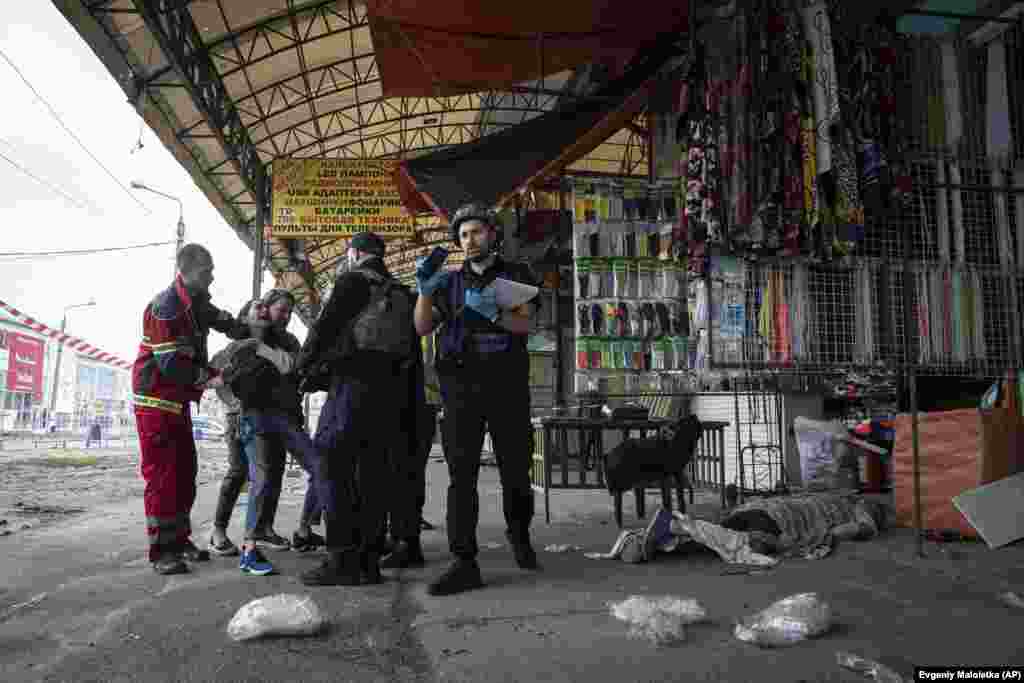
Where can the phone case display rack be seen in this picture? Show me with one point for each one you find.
(631, 310)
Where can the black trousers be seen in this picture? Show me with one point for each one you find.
(359, 425)
(234, 478)
(409, 473)
(494, 395)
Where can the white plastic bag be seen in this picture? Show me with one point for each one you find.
(277, 615)
(661, 620)
(787, 622)
(869, 668)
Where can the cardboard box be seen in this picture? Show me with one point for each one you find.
(950, 450)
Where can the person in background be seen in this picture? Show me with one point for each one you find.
(170, 372)
(483, 367)
(95, 434)
(238, 465)
(365, 343)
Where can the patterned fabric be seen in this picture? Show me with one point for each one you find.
(807, 522)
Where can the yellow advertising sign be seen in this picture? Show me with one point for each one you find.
(337, 198)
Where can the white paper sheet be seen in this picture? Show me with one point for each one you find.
(513, 294)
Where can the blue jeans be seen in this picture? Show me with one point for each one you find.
(265, 437)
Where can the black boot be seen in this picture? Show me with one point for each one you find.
(369, 565)
(339, 569)
(526, 558)
(463, 575)
(407, 554)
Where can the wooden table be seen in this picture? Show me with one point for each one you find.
(552, 464)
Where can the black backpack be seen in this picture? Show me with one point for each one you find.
(386, 324)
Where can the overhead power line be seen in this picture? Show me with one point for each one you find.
(70, 132)
(81, 252)
(39, 180)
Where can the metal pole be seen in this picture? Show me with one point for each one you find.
(260, 221)
(557, 317)
(915, 437)
(56, 368)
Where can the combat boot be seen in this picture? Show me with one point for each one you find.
(525, 556)
(407, 554)
(463, 575)
(369, 566)
(339, 569)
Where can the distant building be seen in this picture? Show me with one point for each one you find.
(92, 384)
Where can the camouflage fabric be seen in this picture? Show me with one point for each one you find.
(808, 522)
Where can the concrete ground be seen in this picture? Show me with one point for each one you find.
(79, 602)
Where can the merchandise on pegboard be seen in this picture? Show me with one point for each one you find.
(633, 321)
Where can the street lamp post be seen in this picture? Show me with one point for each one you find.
(180, 242)
(60, 349)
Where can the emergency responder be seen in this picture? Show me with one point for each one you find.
(171, 371)
(483, 368)
(369, 314)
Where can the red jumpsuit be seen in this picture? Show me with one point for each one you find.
(168, 373)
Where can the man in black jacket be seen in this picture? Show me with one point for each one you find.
(362, 417)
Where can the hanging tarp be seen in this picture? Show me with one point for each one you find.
(446, 47)
(491, 169)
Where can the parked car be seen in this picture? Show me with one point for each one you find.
(204, 428)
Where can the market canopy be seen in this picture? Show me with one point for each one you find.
(449, 47)
(492, 168)
(230, 85)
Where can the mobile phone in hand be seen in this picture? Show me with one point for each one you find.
(436, 259)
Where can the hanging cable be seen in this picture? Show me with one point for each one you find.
(56, 116)
(80, 252)
(44, 183)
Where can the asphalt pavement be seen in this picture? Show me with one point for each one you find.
(79, 602)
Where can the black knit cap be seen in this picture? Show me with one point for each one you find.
(369, 242)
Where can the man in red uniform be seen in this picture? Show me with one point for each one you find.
(171, 371)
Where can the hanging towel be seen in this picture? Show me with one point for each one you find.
(936, 106)
(783, 347)
(1018, 184)
(979, 318)
(798, 307)
(969, 316)
(818, 29)
(954, 133)
(923, 316)
(958, 317)
(999, 143)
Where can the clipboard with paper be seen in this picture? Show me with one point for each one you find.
(512, 294)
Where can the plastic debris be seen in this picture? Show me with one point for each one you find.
(787, 622)
(731, 546)
(493, 546)
(1012, 599)
(869, 668)
(561, 548)
(661, 620)
(277, 615)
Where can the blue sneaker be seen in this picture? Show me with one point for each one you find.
(255, 564)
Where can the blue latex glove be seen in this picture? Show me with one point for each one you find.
(483, 301)
(428, 283)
